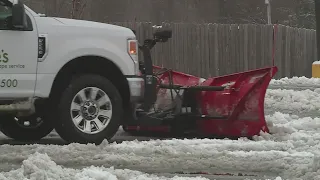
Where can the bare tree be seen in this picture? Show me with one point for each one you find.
(78, 7)
(296, 13)
(306, 14)
(301, 14)
(55, 7)
(248, 12)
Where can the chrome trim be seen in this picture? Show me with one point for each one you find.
(136, 86)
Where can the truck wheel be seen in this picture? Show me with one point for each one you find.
(89, 111)
(30, 128)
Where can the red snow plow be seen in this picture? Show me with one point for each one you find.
(176, 103)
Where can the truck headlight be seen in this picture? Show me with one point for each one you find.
(133, 52)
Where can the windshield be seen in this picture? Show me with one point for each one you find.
(5, 10)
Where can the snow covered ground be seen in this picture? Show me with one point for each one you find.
(302, 103)
(291, 151)
(295, 83)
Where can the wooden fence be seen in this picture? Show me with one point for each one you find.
(217, 49)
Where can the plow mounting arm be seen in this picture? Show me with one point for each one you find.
(150, 84)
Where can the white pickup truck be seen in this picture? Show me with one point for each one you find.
(77, 77)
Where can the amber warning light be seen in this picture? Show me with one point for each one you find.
(133, 44)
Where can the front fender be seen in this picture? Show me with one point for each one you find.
(70, 50)
(60, 54)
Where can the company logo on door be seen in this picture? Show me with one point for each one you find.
(4, 60)
(4, 57)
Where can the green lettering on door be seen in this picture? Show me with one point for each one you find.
(4, 57)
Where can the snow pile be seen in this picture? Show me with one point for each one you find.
(40, 166)
(290, 101)
(316, 63)
(303, 135)
(296, 81)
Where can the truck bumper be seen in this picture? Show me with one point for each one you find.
(136, 86)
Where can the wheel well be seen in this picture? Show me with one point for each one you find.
(91, 64)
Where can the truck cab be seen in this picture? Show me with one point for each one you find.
(78, 77)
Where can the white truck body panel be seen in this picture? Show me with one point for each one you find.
(67, 39)
(18, 69)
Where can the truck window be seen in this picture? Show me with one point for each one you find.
(5, 16)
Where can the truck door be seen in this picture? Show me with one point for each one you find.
(18, 55)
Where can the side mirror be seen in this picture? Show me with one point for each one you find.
(19, 17)
(162, 35)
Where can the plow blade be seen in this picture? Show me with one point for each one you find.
(227, 106)
(242, 102)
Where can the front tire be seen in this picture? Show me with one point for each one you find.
(89, 111)
(30, 128)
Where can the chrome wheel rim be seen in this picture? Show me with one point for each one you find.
(91, 110)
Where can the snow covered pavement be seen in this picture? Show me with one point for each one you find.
(291, 151)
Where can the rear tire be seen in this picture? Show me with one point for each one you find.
(16, 129)
(87, 100)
